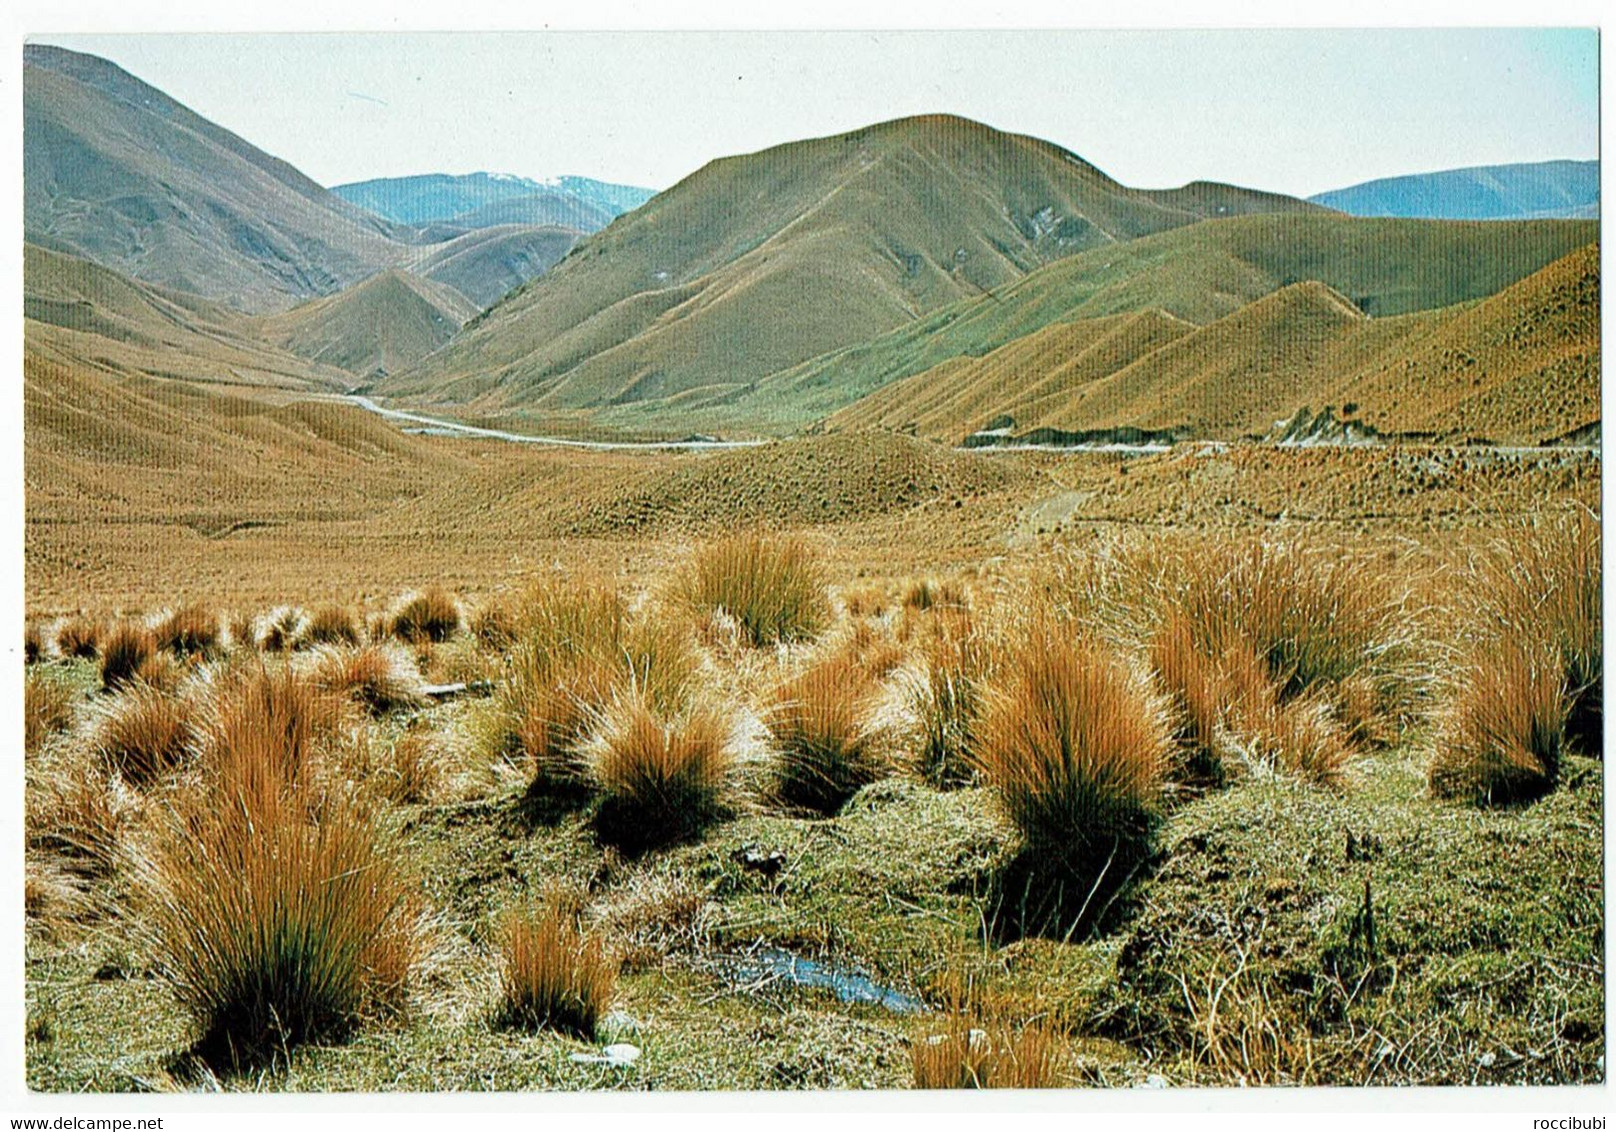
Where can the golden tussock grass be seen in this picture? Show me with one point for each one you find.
(552, 975)
(494, 626)
(661, 781)
(429, 615)
(191, 630)
(928, 593)
(144, 733)
(332, 625)
(282, 629)
(79, 637)
(822, 724)
(124, 651)
(965, 1055)
(1502, 732)
(1075, 749)
(866, 601)
(774, 588)
(273, 927)
(261, 728)
(33, 643)
(381, 677)
(47, 709)
(79, 816)
(944, 695)
(243, 628)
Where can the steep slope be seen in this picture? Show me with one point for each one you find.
(373, 328)
(80, 314)
(1519, 367)
(487, 264)
(1484, 192)
(471, 200)
(1198, 274)
(757, 263)
(118, 172)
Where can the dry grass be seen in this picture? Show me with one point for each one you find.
(945, 699)
(866, 601)
(144, 733)
(966, 1056)
(191, 630)
(653, 916)
(332, 625)
(262, 728)
(660, 781)
(124, 651)
(79, 638)
(79, 816)
(430, 615)
(494, 626)
(243, 630)
(1503, 730)
(924, 594)
(553, 976)
(381, 677)
(283, 629)
(412, 771)
(272, 927)
(1074, 748)
(33, 643)
(823, 728)
(774, 589)
(47, 709)
(1544, 587)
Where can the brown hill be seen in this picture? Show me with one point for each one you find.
(375, 327)
(487, 264)
(754, 264)
(118, 172)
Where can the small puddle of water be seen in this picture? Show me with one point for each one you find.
(848, 986)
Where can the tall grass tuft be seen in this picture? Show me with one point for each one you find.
(774, 588)
(261, 728)
(272, 927)
(79, 638)
(283, 629)
(553, 976)
(1503, 731)
(965, 1056)
(381, 677)
(660, 781)
(47, 709)
(430, 615)
(332, 625)
(123, 653)
(144, 733)
(33, 643)
(1074, 749)
(191, 630)
(945, 700)
(1545, 588)
(822, 726)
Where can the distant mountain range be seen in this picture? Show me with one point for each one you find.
(1546, 189)
(482, 200)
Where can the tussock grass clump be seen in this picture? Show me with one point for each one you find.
(945, 699)
(243, 628)
(1501, 736)
(924, 594)
(80, 817)
(191, 630)
(382, 677)
(773, 588)
(124, 651)
(144, 733)
(79, 638)
(553, 976)
(866, 601)
(430, 615)
(1544, 588)
(494, 626)
(33, 643)
(272, 927)
(332, 625)
(660, 782)
(283, 629)
(262, 727)
(965, 1056)
(823, 728)
(47, 708)
(1074, 748)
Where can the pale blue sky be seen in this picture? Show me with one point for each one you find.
(1291, 111)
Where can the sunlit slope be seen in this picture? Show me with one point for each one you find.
(77, 312)
(1520, 367)
(1198, 274)
(755, 264)
(487, 264)
(375, 327)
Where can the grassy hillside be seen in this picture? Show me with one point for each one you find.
(79, 314)
(1198, 274)
(755, 264)
(1521, 367)
(120, 173)
(486, 264)
(376, 327)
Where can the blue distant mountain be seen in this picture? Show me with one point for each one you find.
(1545, 189)
(481, 200)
